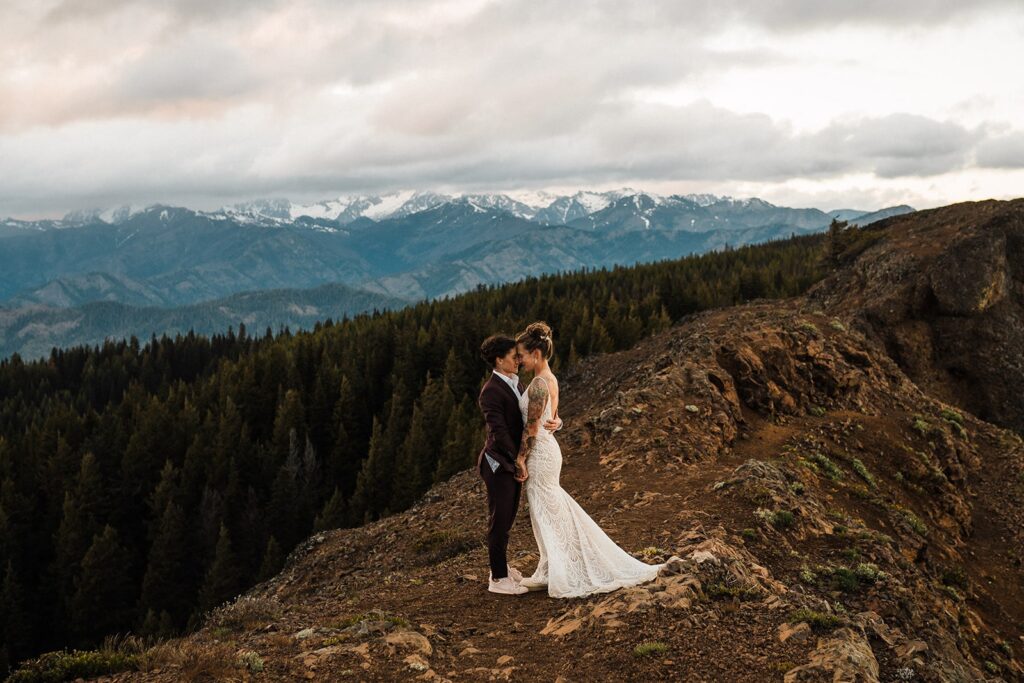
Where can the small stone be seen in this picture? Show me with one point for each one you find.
(798, 632)
(410, 639)
(469, 651)
(702, 556)
(416, 662)
(504, 659)
(305, 633)
(692, 408)
(617, 429)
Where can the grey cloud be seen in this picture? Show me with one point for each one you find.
(225, 99)
(197, 67)
(615, 142)
(798, 15)
(1005, 151)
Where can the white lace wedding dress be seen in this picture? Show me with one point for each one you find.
(576, 557)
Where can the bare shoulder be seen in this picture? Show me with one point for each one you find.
(539, 386)
(553, 386)
(550, 385)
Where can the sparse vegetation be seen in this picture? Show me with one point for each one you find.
(842, 578)
(954, 419)
(243, 613)
(952, 592)
(912, 519)
(808, 327)
(826, 465)
(780, 519)
(921, 426)
(954, 576)
(193, 660)
(783, 519)
(820, 622)
(651, 552)
(372, 616)
(861, 469)
(757, 494)
(952, 416)
(868, 572)
(441, 545)
(817, 411)
(837, 325)
(251, 660)
(718, 590)
(653, 647)
(67, 665)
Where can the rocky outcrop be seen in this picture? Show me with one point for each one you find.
(943, 292)
(827, 507)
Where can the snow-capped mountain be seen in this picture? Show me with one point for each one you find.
(542, 207)
(341, 209)
(702, 211)
(409, 245)
(581, 209)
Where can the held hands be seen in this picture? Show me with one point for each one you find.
(521, 472)
(553, 425)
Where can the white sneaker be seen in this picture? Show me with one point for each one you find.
(506, 586)
(533, 584)
(516, 575)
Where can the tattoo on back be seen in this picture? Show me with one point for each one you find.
(538, 395)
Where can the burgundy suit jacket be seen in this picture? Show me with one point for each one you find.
(504, 419)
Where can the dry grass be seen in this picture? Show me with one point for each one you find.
(244, 613)
(193, 661)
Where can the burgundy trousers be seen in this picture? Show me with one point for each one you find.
(502, 502)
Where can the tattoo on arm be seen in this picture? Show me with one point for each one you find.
(538, 393)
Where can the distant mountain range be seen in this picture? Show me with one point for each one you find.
(32, 330)
(386, 250)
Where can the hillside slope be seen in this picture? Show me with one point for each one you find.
(836, 520)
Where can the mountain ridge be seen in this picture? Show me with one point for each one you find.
(834, 521)
(33, 330)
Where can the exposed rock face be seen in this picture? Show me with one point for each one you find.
(824, 511)
(943, 291)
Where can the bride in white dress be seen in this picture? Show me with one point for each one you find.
(576, 556)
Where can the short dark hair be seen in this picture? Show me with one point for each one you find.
(496, 346)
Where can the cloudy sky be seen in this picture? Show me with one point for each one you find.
(856, 104)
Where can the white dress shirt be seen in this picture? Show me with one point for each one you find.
(514, 383)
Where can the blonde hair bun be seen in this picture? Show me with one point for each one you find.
(537, 336)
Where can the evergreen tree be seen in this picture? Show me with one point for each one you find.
(14, 635)
(273, 560)
(309, 484)
(289, 424)
(411, 462)
(222, 578)
(282, 511)
(167, 585)
(463, 436)
(332, 516)
(104, 594)
(345, 455)
(373, 485)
